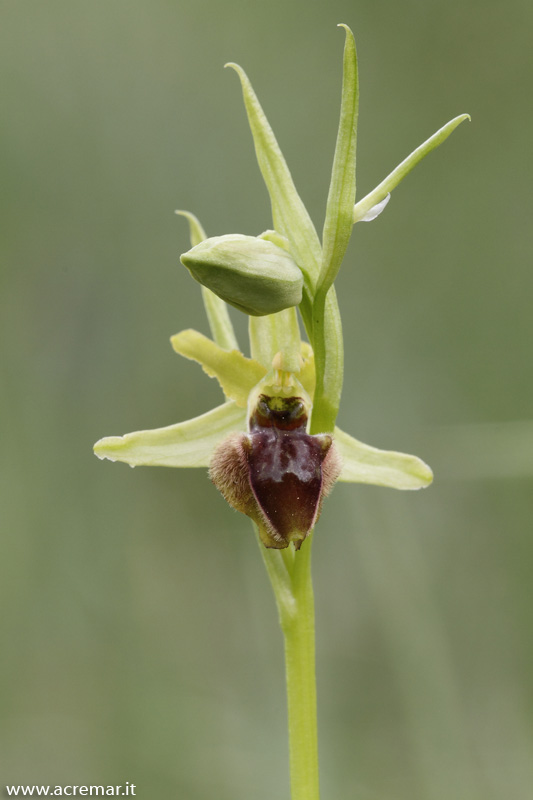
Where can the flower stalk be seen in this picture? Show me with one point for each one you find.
(290, 576)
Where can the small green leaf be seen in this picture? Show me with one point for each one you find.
(372, 199)
(365, 464)
(187, 444)
(341, 198)
(215, 308)
(236, 374)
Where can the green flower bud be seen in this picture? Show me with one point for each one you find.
(251, 274)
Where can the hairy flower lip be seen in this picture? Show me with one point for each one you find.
(277, 473)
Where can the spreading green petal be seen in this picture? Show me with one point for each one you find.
(187, 444)
(236, 374)
(381, 191)
(365, 464)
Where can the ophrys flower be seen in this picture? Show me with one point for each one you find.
(298, 268)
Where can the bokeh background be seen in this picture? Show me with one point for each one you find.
(139, 637)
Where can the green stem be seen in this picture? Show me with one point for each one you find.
(290, 576)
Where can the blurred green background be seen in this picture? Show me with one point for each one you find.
(139, 637)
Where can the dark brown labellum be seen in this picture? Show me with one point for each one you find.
(278, 474)
(285, 470)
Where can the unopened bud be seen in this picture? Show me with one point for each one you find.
(251, 274)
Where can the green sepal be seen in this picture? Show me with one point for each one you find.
(365, 464)
(236, 374)
(186, 444)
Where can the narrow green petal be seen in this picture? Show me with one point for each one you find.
(338, 224)
(236, 374)
(289, 214)
(187, 444)
(365, 464)
(215, 308)
(403, 169)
